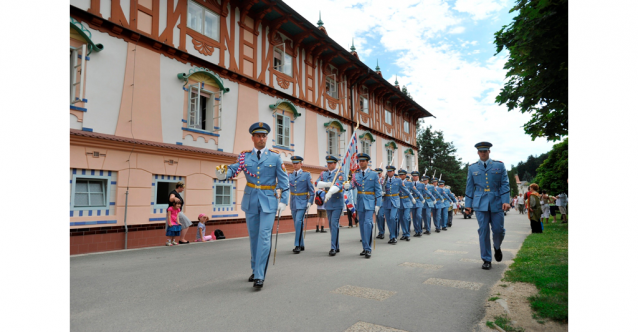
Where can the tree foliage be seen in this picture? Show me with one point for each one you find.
(537, 66)
(513, 185)
(437, 154)
(552, 173)
(527, 170)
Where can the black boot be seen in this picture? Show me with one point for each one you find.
(322, 231)
(317, 229)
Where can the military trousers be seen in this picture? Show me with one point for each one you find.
(259, 226)
(365, 227)
(497, 222)
(443, 217)
(381, 221)
(391, 219)
(436, 214)
(333, 221)
(404, 218)
(449, 218)
(298, 218)
(427, 217)
(416, 219)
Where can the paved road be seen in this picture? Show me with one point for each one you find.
(204, 286)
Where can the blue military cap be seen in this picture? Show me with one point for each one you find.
(379, 170)
(441, 182)
(331, 159)
(415, 173)
(259, 128)
(390, 168)
(434, 180)
(296, 159)
(425, 177)
(363, 156)
(403, 172)
(483, 146)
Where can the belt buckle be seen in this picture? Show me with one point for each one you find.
(257, 186)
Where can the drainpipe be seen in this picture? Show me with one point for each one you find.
(125, 227)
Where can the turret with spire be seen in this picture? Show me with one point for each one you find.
(353, 50)
(378, 69)
(396, 83)
(320, 24)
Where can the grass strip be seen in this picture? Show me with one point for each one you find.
(543, 261)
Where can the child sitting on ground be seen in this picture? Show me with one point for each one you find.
(173, 227)
(201, 229)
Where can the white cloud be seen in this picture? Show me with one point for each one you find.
(457, 30)
(480, 9)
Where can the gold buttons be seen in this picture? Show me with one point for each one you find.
(257, 181)
(258, 173)
(258, 168)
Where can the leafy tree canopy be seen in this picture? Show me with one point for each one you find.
(552, 173)
(537, 66)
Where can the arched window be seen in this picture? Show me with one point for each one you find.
(205, 92)
(390, 149)
(284, 115)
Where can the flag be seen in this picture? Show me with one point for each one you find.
(350, 206)
(350, 163)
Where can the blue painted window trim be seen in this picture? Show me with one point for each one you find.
(99, 222)
(200, 131)
(282, 148)
(156, 219)
(224, 216)
(227, 183)
(162, 178)
(184, 121)
(107, 184)
(87, 58)
(75, 108)
(87, 129)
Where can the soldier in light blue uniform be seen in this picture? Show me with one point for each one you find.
(366, 182)
(265, 172)
(453, 202)
(445, 203)
(302, 194)
(407, 203)
(334, 200)
(416, 187)
(391, 202)
(429, 204)
(489, 199)
(381, 215)
(438, 205)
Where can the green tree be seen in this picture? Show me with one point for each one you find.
(552, 174)
(537, 66)
(513, 186)
(437, 154)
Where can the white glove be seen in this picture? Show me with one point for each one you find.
(423, 202)
(281, 207)
(382, 193)
(322, 184)
(332, 190)
(413, 201)
(346, 186)
(308, 205)
(221, 174)
(376, 209)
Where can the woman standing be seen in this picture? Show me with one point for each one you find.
(534, 209)
(175, 196)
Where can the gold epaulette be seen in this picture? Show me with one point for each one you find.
(274, 151)
(247, 151)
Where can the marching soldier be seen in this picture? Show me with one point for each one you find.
(407, 203)
(445, 205)
(420, 202)
(265, 172)
(391, 202)
(453, 201)
(366, 181)
(429, 204)
(333, 201)
(438, 206)
(302, 194)
(381, 215)
(489, 200)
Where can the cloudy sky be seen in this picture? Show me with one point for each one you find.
(443, 52)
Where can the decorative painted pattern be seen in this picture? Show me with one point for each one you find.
(161, 209)
(111, 181)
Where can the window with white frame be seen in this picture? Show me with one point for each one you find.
(331, 85)
(78, 65)
(363, 104)
(89, 193)
(203, 20)
(282, 61)
(408, 162)
(203, 108)
(406, 127)
(388, 117)
(390, 154)
(223, 196)
(283, 130)
(365, 146)
(333, 143)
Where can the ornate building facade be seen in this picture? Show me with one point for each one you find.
(163, 91)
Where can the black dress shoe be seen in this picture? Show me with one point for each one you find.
(486, 265)
(438, 231)
(303, 248)
(360, 240)
(498, 254)
(417, 234)
(252, 278)
(323, 231)
(332, 252)
(259, 283)
(445, 228)
(392, 241)
(338, 250)
(379, 236)
(362, 253)
(382, 237)
(402, 237)
(407, 239)
(427, 233)
(296, 250)
(368, 254)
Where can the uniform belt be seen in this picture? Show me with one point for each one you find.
(402, 197)
(256, 186)
(326, 190)
(438, 199)
(366, 192)
(391, 195)
(299, 194)
(486, 190)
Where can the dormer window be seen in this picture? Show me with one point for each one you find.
(331, 84)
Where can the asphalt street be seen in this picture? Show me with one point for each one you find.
(432, 283)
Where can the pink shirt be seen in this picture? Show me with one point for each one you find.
(173, 211)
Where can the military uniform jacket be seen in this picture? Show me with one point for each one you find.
(405, 195)
(391, 199)
(336, 201)
(415, 193)
(263, 176)
(420, 186)
(438, 200)
(302, 190)
(487, 186)
(440, 203)
(368, 189)
(447, 198)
